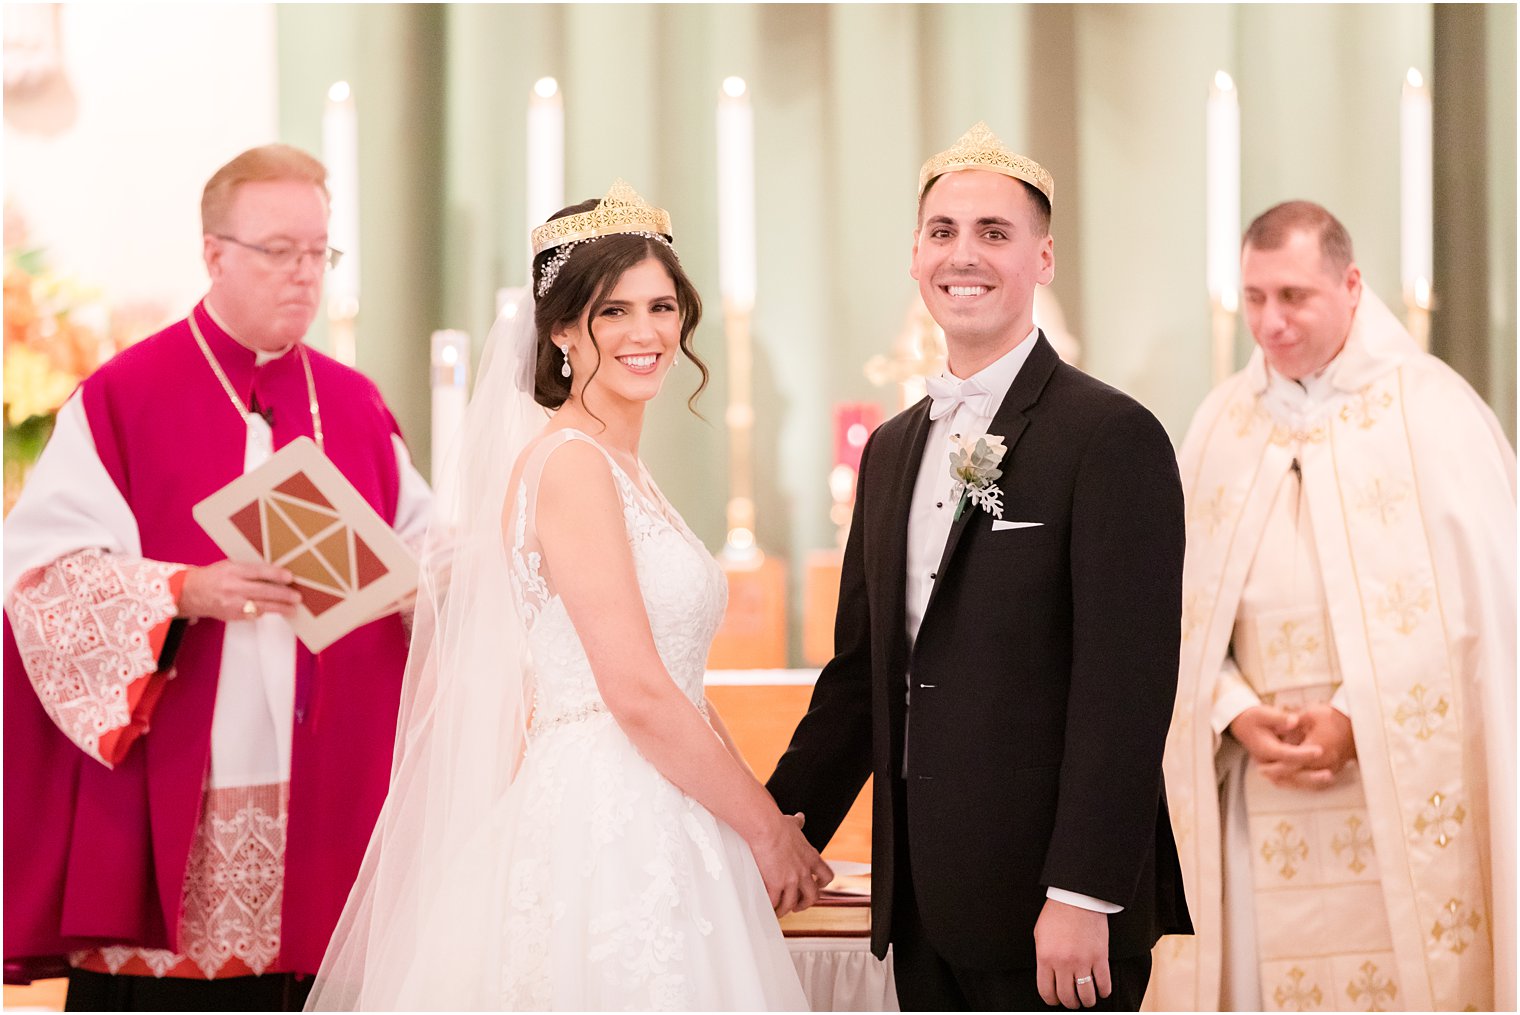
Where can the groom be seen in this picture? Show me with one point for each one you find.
(1006, 646)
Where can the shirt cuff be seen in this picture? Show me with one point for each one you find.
(1082, 901)
(1232, 696)
(1339, 703)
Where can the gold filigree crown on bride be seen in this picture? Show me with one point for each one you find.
(621, 211)
(979, 148)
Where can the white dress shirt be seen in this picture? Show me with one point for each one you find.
(933, 509)
(932, 513)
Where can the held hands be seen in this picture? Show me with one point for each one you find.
(793, 871)
(1305, 749)
(222, 591)
(1071, 945)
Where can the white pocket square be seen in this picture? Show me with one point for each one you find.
(998, 525)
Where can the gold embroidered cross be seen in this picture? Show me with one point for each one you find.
(1418, 716)
(1292, 995)
(1377, 989)
(1456, 927)
(1364, 407)
(1442, 815)
(1382, 500)
(1286, 847)
(1292, 646)
(1402, 603)
(1357, 841)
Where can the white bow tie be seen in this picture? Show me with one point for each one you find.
(948, 391)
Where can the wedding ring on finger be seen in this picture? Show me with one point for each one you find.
(1083, 979)
(250, 608)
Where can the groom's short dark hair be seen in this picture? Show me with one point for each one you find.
(1039, 216)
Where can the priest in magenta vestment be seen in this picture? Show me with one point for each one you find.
(188, 790)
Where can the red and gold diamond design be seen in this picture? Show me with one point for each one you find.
(298, 528)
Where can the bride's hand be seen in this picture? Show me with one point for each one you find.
(793, 871)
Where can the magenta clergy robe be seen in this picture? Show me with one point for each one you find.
(96, 855)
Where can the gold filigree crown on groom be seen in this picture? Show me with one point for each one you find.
(621, 211)
(979, 148)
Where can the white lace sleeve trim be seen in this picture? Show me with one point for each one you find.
(84, 625)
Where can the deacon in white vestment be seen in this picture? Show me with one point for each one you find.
(1341, 760)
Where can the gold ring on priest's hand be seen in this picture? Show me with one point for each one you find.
(250, 608)
(1083, 979)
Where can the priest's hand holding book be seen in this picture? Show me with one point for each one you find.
(234, 590)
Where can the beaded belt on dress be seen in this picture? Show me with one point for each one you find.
(580, 714)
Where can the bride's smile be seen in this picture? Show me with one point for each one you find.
(627, 348)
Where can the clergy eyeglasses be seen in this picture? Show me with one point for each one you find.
(288, 255)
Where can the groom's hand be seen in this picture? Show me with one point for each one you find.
(1071, 943)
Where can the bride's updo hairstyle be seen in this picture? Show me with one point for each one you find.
(587, 279)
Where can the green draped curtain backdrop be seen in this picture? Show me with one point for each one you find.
(849, 100)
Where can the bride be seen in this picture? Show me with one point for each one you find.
(569, 825)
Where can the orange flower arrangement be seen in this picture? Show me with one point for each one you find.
(57, 333)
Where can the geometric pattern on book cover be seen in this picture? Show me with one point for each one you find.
(298, 511)
(299, 529)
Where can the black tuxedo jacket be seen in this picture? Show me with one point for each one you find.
(1043, 677)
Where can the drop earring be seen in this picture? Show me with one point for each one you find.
(564, 371)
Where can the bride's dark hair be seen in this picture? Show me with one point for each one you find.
(587, 279)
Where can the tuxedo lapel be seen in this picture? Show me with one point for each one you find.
(1010, 422)
(904, 475)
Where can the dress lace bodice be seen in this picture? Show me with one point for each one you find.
(592, 882)
(684, 594)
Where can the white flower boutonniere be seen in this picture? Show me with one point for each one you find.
(974, 465)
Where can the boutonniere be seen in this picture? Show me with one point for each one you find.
(974, 465)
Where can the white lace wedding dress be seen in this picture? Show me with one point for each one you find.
(609, 887)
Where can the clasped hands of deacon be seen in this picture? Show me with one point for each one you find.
(1303, 748)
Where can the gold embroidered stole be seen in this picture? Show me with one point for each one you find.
(1311, 901)
(1390, 634)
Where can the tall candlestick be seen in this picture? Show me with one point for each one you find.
(451, 378)
(1416, 219)
(1223, 191)
(736, 282)
(546, 151)
(736, 195)
(340, 153)
(1222, 228)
